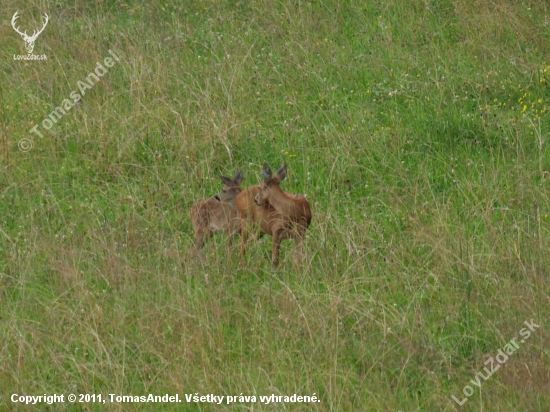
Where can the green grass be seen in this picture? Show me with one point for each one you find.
(418, 131)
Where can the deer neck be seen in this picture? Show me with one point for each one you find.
(282, 202)
(233, 201)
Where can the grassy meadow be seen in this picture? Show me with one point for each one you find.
(419, 131)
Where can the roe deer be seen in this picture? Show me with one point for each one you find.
(294, 212)
(254, 217)
(287, 218)
(217, 213)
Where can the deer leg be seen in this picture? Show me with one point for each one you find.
(299, 249)
(233, 229)
(229, 239)
(242, 246)
(300, 236)
(199, 238)
(200, 226)
(277, 237)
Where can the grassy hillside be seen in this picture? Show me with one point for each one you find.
(419, 132)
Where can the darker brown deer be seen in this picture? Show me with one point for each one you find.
(279, 214)
(218, 213)
(254, 219)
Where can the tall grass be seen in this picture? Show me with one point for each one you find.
(418, 131)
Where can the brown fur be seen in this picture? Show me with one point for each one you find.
(217, 214)
(287, 218)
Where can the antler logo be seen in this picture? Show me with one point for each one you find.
(29, 40)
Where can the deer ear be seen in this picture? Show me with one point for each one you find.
(266, 172)
(227, 181)
(238, 178)
(281, 172)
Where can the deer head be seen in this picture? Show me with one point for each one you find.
(29, 40)
(264, 192)
(231, 189)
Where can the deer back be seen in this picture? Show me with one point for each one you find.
(214, 214)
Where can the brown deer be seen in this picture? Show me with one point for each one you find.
(277, 213)
(253, 217)
(218, 213)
